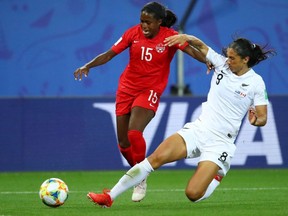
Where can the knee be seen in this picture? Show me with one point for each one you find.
(193, 194)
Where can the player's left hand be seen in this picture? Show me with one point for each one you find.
(252, 116)
(210, 67)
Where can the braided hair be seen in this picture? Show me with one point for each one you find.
(160, 12)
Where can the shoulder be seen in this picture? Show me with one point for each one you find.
(255, 76)
(132, 33)
(255, 81)
(167, 31)
(133, 29)
(212, 53)
(215, 58)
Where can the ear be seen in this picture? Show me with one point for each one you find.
(246, 59)
(159, 22)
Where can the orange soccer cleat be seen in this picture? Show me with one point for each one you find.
(104, 200)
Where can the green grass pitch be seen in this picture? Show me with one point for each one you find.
(243, 192)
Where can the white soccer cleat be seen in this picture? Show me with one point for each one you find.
(139, 191)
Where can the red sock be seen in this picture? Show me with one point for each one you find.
(138, 144)
(218, 178)
(127, 154)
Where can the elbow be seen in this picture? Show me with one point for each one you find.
(261, 123)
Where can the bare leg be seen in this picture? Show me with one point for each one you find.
(170, 150)
(123, 141)
(140, 118)
(122, 130)
(202, 178)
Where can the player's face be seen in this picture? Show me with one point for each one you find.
(150, 25)
(236, 63)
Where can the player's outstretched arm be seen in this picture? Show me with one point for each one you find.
(196, 54)
(98, 60)
(192, 40)
(197, 49)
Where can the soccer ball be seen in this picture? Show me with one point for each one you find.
(53, 192)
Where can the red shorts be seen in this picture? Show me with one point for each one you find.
(148, 99)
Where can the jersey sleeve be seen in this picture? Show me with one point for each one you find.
(122, 43)
(215, 58)
(260, 96)
(177, 46)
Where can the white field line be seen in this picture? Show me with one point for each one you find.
(162, 190)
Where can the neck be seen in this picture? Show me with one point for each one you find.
(240, 73)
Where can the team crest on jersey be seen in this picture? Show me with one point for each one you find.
(160, 48)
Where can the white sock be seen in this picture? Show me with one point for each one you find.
(133, 177)
(212, 186)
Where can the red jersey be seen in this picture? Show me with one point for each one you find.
(149, 63)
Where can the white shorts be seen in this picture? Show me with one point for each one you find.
(200, 142)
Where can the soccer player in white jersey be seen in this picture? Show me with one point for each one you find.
(235, 90)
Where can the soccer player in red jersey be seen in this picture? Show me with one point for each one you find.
(143, 80)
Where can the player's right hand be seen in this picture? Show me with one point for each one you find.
(81, 71)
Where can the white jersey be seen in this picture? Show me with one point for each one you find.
(230, 97)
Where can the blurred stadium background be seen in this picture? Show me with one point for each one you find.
(45, 115)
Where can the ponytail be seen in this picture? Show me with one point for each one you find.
(170, 19)
(255, 52)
